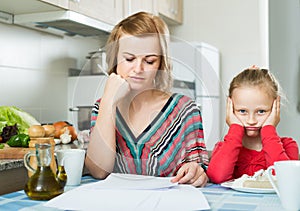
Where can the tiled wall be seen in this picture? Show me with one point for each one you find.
(34, 69)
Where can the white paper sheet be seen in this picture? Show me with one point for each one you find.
(134, 182)
(135, 193)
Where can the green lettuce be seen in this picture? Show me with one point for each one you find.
(10, 115)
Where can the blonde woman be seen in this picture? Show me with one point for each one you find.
(138, 125)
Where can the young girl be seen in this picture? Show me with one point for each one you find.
(252, 143)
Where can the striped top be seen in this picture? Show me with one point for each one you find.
(174, 137)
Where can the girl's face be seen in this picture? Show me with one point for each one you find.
(138, 60)
(252, 106)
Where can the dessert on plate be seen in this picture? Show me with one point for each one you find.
(258, 180)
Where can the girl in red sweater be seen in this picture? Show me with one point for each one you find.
(252, 114)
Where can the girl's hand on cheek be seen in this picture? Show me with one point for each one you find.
(230, 116)
(116, 87)
(274, 117)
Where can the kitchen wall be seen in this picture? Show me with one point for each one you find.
(284, 60)
(242, 33)
(34, 69)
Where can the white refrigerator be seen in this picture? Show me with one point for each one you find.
(198, 63)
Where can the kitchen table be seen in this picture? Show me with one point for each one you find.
(218, 197)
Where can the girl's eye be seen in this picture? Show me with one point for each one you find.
(261, 111)
(242, 111)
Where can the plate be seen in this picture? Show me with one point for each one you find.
(229, 184)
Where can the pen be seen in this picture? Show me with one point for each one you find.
(104, 72)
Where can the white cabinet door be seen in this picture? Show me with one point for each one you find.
(104, 10)
(171, 10)
(133, 6)
(60, 3)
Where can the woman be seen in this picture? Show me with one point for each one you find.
(139, 126)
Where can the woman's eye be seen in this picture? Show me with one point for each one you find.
(129, 59)
(150, 62)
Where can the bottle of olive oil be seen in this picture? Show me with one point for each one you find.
(43, 184)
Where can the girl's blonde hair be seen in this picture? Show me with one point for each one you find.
(256, 77)
(142, 24)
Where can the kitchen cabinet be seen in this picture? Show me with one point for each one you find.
(60, 3)
(104, 10)
(171, 11)
(32, 6)
(133, 6)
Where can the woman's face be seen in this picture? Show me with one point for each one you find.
(252, 106)
(138, 60)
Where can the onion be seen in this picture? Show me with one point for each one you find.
(58, 126)
(71, 130)
(36, 131)
(49, 130)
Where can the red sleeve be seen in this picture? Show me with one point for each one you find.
(225, 155)
(276, 148)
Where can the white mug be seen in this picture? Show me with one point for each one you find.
(73, 162)
(287, 186)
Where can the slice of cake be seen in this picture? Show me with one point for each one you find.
(258, 180)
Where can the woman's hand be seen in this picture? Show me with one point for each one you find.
(274, 117)
(116, 88)
(191, 173)
(230, 116)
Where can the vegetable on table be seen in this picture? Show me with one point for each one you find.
(9, 131)
(19, 140)
(11, 115)
(64, 127)
(36, 131)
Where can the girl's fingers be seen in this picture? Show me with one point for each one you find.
(228, 111)
(278, 106)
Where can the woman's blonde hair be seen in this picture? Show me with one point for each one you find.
(256, 77)
(142, 24)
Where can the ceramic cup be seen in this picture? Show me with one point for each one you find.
(73, 162)
(287, 186)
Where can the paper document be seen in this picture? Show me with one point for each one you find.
(131, 192)
(134, 182)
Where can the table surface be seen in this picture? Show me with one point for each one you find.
(218, 197)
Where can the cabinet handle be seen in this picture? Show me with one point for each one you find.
(76, 1)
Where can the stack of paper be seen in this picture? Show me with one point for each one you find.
(131, 192)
